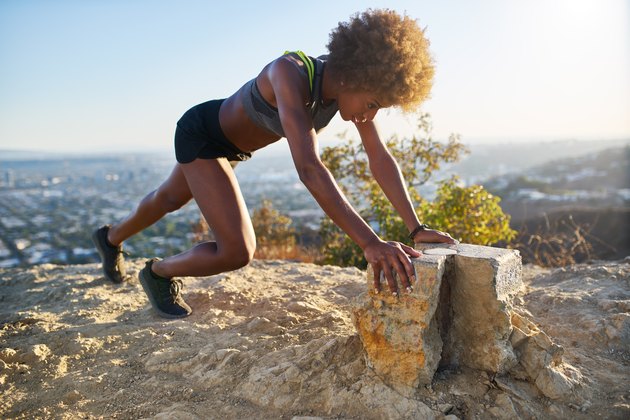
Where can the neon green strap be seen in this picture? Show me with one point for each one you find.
(310, 68)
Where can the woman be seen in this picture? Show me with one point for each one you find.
(376, 60)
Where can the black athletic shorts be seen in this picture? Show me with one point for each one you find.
(199, 135)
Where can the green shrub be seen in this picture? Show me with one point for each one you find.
(470, 214)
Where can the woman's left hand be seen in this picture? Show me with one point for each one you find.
(434, 236)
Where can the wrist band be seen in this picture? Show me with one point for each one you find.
(422, 226)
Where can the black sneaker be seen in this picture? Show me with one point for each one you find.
(163, 293)
(112, 256)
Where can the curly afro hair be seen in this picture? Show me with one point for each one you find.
(385, 53)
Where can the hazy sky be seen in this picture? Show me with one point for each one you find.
(117, 74)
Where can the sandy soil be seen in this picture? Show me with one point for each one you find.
(275, 340)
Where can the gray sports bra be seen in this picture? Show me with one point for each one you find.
(266, 116)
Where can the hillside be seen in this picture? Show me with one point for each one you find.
(575, 208)
(486, 161)
(46, 200)
(275, 340)
(597, 180)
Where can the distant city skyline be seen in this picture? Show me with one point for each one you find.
(117, 75)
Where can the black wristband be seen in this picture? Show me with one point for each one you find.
(421, 227)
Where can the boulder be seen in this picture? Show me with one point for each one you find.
(482, 283)
(457, 314)
(540, 360)
(400, 333)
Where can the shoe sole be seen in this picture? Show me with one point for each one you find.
(145, 287)
(101, 253)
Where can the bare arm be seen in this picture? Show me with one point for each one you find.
(388, 176)
(302, 139)
(387, 173)
(298, 128)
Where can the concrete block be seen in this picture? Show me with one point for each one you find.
(476, 304)
(400, 334)
(458, 314)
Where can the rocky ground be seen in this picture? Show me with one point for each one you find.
(275, 340)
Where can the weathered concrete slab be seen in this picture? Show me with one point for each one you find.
(400, 334)
(458, 314)
(482, 281)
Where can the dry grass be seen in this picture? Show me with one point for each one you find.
(278, 247)
(559, 243)
(292, 253)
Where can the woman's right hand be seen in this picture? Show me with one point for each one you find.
(387, 257)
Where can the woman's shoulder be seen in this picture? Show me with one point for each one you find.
(288, 67)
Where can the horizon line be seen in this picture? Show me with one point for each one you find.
(485, 141)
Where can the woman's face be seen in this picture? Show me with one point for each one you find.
(357, 106)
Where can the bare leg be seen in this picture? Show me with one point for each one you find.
(214, 186)
(170, 196)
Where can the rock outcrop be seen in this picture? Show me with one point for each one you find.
(540, 360)
(459, 314)
(275, 339)
(400, 334)
(480, 284)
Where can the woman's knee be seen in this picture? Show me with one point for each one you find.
(236, 257)
(168, 201)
